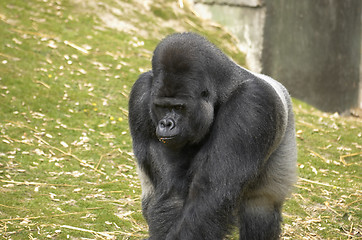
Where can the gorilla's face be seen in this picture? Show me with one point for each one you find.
(181, 110)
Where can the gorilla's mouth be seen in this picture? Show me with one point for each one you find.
(166, 139)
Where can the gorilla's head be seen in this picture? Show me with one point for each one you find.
(183, 97)
(181, 119)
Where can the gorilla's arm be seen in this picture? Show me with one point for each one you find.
(141, 127)
(140, 122)
(241, 140)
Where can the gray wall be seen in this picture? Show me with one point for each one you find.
(312, 46)
(245, 19)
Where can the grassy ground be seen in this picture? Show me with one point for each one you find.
(66, 163)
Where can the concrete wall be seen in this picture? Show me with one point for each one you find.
(245, 20)
(312, 47)
(360, 76)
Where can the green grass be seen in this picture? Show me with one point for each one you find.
(66, 162)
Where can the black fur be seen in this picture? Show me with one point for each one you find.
(215, 144)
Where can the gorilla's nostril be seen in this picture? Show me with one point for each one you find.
(170, 124)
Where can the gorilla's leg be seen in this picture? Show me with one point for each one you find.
(260, 219)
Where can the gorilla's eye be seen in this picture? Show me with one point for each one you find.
(179, 107)
(205, 94)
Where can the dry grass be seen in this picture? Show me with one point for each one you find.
(66, 163)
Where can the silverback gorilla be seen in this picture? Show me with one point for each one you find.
(215, 144)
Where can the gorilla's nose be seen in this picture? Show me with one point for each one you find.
(166, 124)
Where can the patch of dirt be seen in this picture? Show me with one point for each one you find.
(122, 16)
